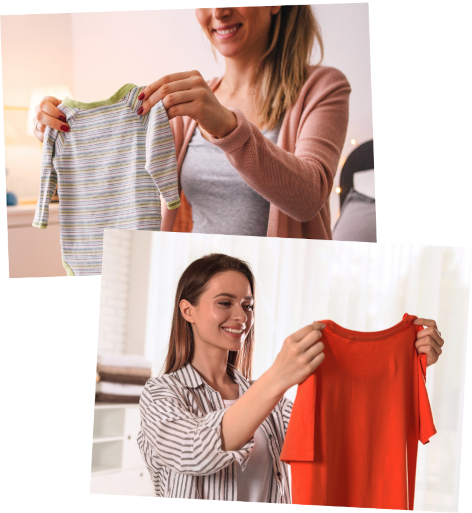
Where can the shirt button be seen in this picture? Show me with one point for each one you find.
(270, 437)
(278, 474)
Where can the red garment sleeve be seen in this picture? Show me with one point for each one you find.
(427, 427)
(299, 444)
(425, 416)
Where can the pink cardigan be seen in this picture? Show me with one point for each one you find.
(296, 174)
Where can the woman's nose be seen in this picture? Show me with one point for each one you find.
(221, 12)
(240, 314)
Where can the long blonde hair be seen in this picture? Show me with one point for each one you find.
(191, 286)
(284, 66)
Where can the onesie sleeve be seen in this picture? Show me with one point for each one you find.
(48, 182)
(161, 163)
(185, 442)
(299, 444)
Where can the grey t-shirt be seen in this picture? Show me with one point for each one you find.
(222, 202)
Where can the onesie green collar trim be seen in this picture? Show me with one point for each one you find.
(121, 93)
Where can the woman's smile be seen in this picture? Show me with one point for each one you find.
(234, 331)
(227, 31)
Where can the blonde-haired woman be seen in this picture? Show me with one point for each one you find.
(258, 148)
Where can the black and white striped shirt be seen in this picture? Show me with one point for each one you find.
(180, 439)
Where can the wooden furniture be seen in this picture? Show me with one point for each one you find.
(117, 465)
(33, 252)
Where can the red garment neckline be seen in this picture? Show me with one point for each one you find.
(367, 336)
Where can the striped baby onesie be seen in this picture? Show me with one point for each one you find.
(109, 170)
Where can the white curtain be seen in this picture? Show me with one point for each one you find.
(364, 287)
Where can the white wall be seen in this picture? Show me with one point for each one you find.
(36, 52)
(155, 43)
(114, 292)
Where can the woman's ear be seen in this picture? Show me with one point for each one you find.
(186, 309)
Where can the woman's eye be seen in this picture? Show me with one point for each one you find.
(250, 307)
(225, 303)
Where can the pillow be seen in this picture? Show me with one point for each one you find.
(364, 182)
(357, 219)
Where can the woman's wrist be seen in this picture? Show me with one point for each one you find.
(229, 126)
(272, 384)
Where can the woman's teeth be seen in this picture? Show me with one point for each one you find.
(226, 31)
(230, 330)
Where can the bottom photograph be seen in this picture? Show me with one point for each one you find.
(280, 370)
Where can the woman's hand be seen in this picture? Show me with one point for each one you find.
(300, 356)
(47, 114)
(429, 341)
(187, 94)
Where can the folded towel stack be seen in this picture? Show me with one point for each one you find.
(121, 378)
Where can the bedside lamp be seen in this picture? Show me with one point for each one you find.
(37, 94)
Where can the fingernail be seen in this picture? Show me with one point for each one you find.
(64, 128)
(141, 96)
(63, 118)
(140, 111)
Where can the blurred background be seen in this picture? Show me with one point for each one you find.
(89, 56)
(364, 287)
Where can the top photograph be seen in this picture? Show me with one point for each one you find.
(238, 121)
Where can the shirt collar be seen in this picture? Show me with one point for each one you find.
(190, 378)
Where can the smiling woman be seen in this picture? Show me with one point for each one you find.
(203, 418)
(257, 149)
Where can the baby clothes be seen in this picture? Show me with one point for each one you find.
(109, 170)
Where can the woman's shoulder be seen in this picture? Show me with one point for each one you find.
(326, 76)
(162, 387)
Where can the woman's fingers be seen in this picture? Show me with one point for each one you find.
(47, 114)
(49, 106)
(432, 333)
(170, 94)
(42, 120)
(154, 92)
(430, 323)
(428, 341)
(303, 332)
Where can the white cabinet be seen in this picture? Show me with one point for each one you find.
(117, 465)
(33, 252)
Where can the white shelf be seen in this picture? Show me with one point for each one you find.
(112, 406)
(117, 465)
(99, 440)
(98, 470)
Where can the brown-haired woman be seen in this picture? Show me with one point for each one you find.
(203, 418)
(258, 148)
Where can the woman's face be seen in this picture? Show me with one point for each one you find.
(236, 30)
(224, 314)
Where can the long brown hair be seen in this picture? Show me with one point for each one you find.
(284, 67)
(191, 286)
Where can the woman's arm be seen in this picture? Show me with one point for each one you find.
(244, 417)
(299, 183)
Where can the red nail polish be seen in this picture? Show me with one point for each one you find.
(65, 128)
(141, 96)
(63, 118)
(140, 111)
